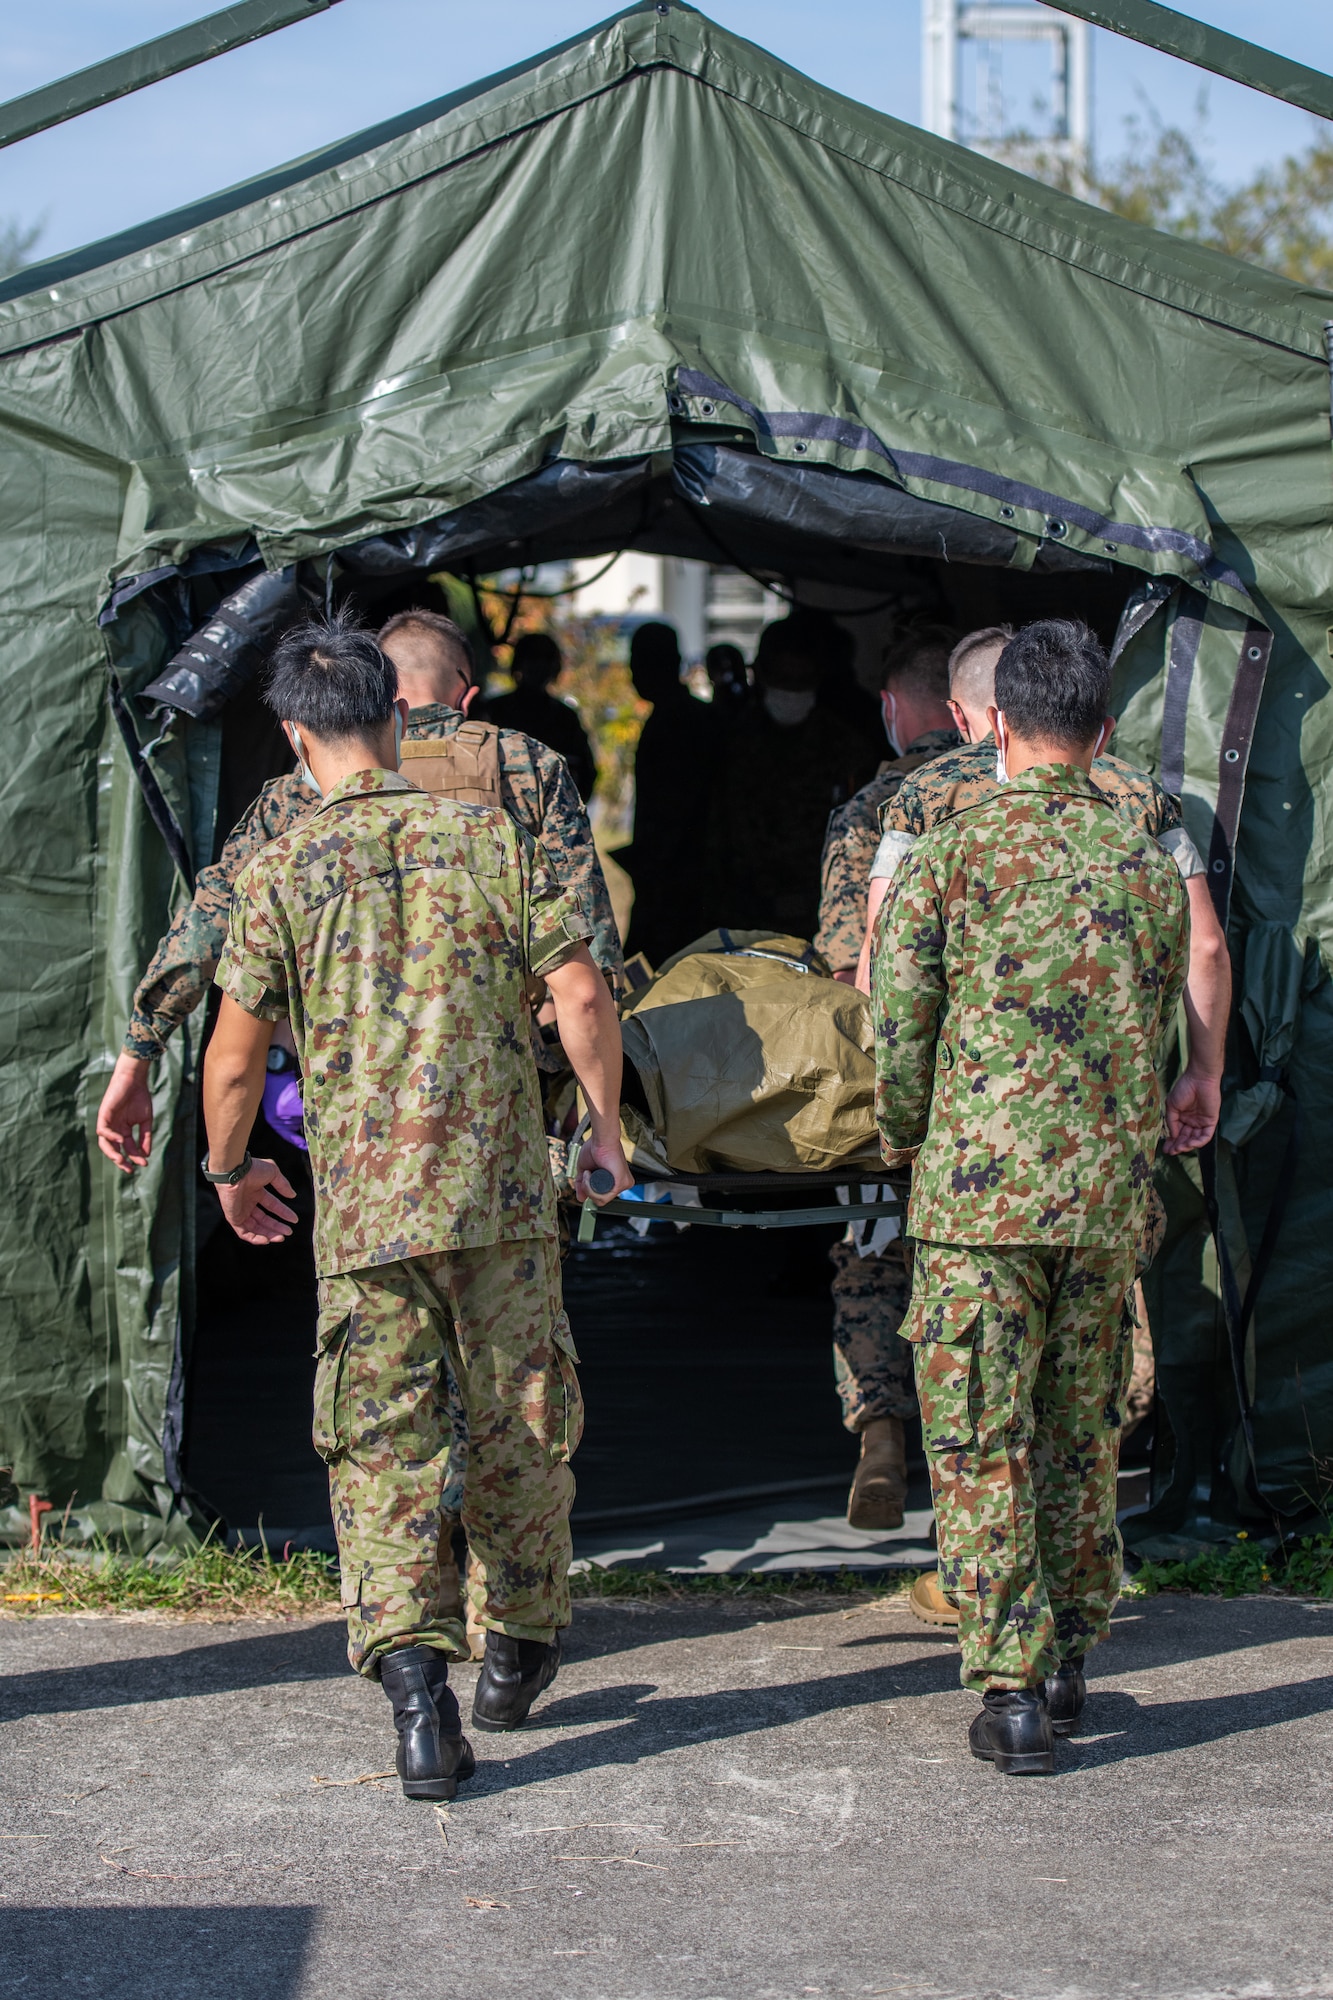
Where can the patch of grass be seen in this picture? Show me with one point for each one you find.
(211, 1582)
(1245, 1568)
(609, 1584)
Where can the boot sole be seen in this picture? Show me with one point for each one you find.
(441, 1790)
(1022, 1764)
(948, 1618)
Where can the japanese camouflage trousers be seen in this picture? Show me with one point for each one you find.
(872, 1363)
(389, 1338)
(1022, 1363)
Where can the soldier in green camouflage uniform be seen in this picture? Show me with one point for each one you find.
(536, 791)
(395, 931)
(872, 1367)
(1028, 958)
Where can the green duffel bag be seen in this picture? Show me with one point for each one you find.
(749, 1058)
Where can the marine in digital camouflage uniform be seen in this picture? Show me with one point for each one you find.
(536, 790)
(872, 1367)
(395, 931)
(1029, 954)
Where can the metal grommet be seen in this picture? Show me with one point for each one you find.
(1056, 528)
(708, 409)
(1006, 513)
(801, 446)
(1219, 868)
(1232, 756)
(1254, 653)
(676, 405)
(1112, 548)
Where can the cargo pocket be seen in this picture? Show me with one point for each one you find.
(566, 1395)
(1122, 1370)
(332, 1398)
(946, 1333)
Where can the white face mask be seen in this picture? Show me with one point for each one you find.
(1001, 768)
(788, 706)
(397, 737)
(306, 771)
(889, 710)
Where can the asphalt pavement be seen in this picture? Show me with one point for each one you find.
(717, 1800)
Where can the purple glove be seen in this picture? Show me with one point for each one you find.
(283, 1107)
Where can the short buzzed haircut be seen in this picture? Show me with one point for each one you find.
(1053, 683)
(918, 663)
(451, 638)
(329, 676)
(971, 673)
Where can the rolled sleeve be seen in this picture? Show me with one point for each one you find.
(253, 968)
(893, 850)
(556, 922)
(1177, 843)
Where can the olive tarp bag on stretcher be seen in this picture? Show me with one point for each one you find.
(749, 1058)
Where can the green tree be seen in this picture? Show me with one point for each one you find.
(1281, 218)
(16, 241)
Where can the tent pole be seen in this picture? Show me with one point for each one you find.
(103, 82)
(1159, 27)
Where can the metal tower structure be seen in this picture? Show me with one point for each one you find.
(965, 100)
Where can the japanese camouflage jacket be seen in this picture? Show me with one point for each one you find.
(849, 848)
(536, 791)
(395, 930)
(1029, 955)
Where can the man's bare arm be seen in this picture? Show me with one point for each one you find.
(1195, 1101)
(590, 1036)
(234, 1070)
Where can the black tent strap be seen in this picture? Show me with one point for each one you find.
(1238, 1312)
(163, 818)
(1233, 760)
(1059, 514)
(1192, 41)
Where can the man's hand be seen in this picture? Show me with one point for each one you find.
(125, 1117)
(254, 1210)
(1192, 1111)
(602, 1152)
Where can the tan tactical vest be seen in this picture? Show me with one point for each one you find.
(464, 766)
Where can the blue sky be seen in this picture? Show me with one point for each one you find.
(366, 59)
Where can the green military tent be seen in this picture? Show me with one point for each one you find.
(649, 290)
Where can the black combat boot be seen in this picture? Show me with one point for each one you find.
(434, 1757)
(1066, 1692)
(512, 1675)
(1013, 1731)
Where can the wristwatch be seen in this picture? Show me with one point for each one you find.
(234, 1175)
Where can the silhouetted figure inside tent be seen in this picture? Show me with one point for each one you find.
(537, 712)
(730, 681)
(788, 762)
(673, 786)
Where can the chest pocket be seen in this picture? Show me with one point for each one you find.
(338, 861)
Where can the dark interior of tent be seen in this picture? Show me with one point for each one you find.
(706, 1352)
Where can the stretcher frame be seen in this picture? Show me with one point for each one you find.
(721, 1217)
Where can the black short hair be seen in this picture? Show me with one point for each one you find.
(330, 677)
(1053, 683)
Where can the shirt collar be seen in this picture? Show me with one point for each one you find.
(365, 784)
(1053, 778)
(432, 719)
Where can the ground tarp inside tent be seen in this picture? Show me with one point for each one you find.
(652, 290)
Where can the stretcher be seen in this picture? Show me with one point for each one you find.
(752, 1201)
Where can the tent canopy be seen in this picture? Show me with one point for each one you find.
(649, 290)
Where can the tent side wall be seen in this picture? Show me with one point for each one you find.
(402, 332)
